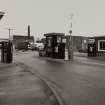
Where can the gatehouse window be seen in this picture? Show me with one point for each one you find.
(101, 45)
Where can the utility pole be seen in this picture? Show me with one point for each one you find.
(10, 29)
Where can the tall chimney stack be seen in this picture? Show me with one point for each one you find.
(28, 30)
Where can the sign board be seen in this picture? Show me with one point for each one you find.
(64, 40)
(58, 39)
(90, 41)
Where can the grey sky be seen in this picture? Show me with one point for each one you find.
(53, 16)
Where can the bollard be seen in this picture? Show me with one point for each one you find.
(66, 55)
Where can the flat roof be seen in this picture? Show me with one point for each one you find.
(96, 36)
(3, 40)
(56, 34)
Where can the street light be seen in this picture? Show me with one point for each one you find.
(71, 39)
(69, 43)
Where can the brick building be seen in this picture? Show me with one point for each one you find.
(22, 41)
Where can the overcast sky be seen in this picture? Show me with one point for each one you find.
(53, 16)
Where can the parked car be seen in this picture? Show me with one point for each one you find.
(32, 47)
(41, 51)
(39, 45)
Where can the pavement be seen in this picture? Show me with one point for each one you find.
(99, 58)
(83, 58)
(79, 59)
(77, 55)
(18, 86)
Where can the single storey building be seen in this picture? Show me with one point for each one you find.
(100, 44)
(21, 42)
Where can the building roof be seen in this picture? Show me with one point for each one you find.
(97, 36)
(3, 39)
(53, 33)
(1, 14)
(21, 36)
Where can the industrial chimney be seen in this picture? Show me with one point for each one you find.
(28, 31)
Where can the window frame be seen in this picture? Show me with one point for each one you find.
(99, 49)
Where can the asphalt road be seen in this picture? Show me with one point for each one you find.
(18, 86)
(80, 82)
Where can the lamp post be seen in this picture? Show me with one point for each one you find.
(71, 39)
(69, 43)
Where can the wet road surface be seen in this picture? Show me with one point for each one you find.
(20, 87)
(78, 83)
